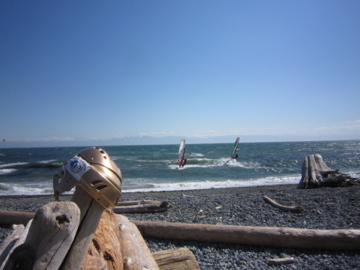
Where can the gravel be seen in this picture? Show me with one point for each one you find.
(324, 208)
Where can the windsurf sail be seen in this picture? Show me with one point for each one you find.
(234, 155)
(181, 154)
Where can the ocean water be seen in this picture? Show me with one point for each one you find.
(29, 171)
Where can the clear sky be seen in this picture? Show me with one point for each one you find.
(143, 72)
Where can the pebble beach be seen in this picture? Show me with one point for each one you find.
(324, 208)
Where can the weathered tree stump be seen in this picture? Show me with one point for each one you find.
(315, 173)
(47, 238)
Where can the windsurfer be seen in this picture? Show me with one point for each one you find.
(184, 162)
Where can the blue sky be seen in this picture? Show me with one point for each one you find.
(143, 72)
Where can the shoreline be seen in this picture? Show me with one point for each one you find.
(157, 191)
(324, 208)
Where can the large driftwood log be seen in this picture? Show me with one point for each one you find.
(48, 238)
(315, 173)
(250, 235)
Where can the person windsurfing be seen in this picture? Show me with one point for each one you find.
(181, 154)
(234, 155)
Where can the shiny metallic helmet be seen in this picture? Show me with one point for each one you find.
(94, 171)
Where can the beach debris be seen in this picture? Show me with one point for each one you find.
(10, 241)
(46, 239)
(15, 217)
(315, 173)
(294, 209)
(135, 252)
(142, 206)
(199, 214)
(180, 258)
(279, 261)
(342, 239)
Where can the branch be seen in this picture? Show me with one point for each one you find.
(294, 209)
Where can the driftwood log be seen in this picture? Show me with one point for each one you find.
(294, 209)
(315, 173)
(251, 235)
(18, 217)
(176, 259)
(279, 261)
(143, 206)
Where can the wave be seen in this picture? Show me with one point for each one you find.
(15, 164)
(7, 171)
(207, 163)
(17, 189)
(33, 165)
(268, 181)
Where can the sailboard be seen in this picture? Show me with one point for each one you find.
(234, 155)
(181, 154)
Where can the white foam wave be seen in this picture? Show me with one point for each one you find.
(7, 171)
(13, 164)
(24, 190)
(47, 161)
(195, 155)
(268, 181)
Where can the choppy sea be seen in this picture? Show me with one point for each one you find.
(29, 171)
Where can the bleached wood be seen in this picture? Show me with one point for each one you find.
(176, 259)
(141, 207)
(90, 214)
(279, 261)
(49, 237)
(294, 209)
(52, 233)
(138, 202)
(315, 173)
(105, 248)
(251, 235)
(18, 242)
(10, 241)
(136, 254)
